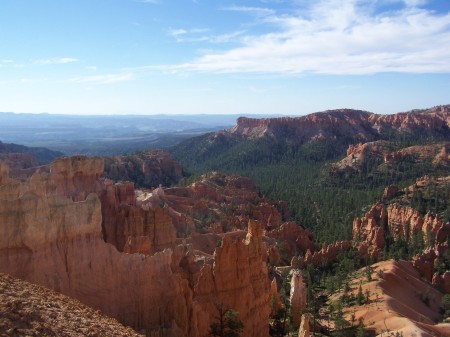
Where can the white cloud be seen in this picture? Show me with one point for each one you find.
(62, 60)
(180, 31)
(252, 10)
(103, 79)
(338, 37)
(177, 32)
(199, 35)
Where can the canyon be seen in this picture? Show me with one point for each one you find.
(52, 235)
(136, 238)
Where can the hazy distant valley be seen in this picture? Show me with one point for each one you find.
(106, 135)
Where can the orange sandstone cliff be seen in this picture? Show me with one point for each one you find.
(51, 234)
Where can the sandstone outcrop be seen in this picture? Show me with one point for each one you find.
(148, 169)
(51, 234)
(328, 254)
(442, 281)
(275, 301)
(130, 228)
(297, 296)
(362, 125)
(238, 279)
(397, 221)
(19, 160)
(218, 204)
(400, 222)
(383, 153)
(304, 330)
(293, 239)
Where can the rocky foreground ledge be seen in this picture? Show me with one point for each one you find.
(29, 310)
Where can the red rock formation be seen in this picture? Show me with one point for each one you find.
(399, 221)
(390, 192)
(331, 124)
(217, 203)
(4, 173)
(297, 296)
(442, 281)
(325, 256)
(274, 299)
(50, 235)
(130, 228)
(76, 177)
(424, 263)
(238, 279)
(293, 239)
(304, 329)
(19, 161)
(148, 169)
(383, 151)
(403, 222)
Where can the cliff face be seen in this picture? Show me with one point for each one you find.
(51, 234)
(382, 152)
(396, 221)
(402, 222)
(360, 125)
(130, 228)
(148, 169)
(238, 278)
(325, 256)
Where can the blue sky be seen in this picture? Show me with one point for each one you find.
(221, 56)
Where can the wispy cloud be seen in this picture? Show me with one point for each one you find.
(252, 10)
(55, 60)
(338, 37)
(200, 35)
(103, 79)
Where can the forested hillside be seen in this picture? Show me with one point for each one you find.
(324, 193)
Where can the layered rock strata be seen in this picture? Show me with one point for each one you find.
(332, 124)
(148, 169)
(51, 234)
(402, 222)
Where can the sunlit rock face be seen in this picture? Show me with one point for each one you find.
(53, 229)
(147, 169)
(402, 222)
(360, 125)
